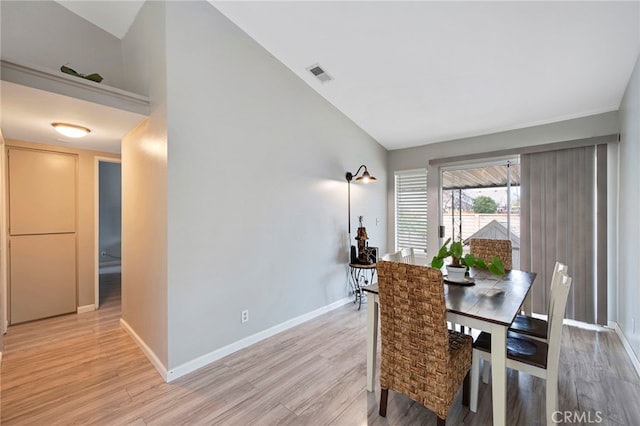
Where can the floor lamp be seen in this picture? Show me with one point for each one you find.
(364, 178)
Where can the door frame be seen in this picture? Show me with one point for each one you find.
(96, 223)
(4, 257)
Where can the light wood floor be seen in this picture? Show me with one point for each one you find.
(84, 369)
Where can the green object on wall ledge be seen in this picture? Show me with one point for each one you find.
(93, 77)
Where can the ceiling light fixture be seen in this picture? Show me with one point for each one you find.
(71, 130)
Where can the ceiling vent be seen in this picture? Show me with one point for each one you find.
(320, 73)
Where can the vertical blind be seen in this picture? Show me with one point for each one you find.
(411, 209)
(563, 218)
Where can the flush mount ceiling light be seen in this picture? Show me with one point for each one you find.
(71, 130)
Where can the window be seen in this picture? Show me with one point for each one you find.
(411, 209)
(482, 200)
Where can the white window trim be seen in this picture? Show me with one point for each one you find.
(400, 173)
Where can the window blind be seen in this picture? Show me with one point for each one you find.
(563, 218)
(411, 209)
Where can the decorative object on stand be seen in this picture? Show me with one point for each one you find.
(459, 264)
(364, 178)
(364, 252)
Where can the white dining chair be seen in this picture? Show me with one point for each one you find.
(534, 328)
(408, 255)
(537, 328)
(393, 257)
(530, 356)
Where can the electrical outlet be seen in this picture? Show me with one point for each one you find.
(245, 316)
(103, 253)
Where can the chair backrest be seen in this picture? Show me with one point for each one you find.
(486, 249)
(393, 257)
(555, 280)
(414, 335)
(555, 321)
(408, 255)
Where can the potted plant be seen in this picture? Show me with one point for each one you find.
(459, 263)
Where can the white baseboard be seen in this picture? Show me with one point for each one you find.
(146, 349)
(206, 359)
(86, 308)
(627, 346)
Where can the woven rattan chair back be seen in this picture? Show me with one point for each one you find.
(421, 358)
(488, 248)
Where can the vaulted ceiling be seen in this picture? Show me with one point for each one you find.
(413, 73)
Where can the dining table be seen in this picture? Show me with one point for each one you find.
(484, 302)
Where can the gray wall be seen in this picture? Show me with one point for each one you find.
(257, 196)
(45, 34)
(110, 207)
(255, 193)
(144, 189)
(629, 208)
(411, 158)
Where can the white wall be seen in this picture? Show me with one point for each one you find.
(45, 34)
(412, 158)
(257, 200)
(628, 209)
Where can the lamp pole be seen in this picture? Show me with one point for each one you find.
(365, 178)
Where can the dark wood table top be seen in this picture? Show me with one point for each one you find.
(493, 298)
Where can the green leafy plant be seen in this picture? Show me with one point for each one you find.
(454, 250)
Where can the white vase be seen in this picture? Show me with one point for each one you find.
(456, 273)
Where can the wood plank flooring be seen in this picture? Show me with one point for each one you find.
(84, 369)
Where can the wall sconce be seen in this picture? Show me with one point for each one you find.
(364, 178)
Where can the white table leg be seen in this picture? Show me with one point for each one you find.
(372, 339)
(499, 374)
(475, 373)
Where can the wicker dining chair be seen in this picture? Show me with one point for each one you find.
(487, 249)
(421, 358)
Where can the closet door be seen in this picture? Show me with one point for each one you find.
(43, 276)
(42, 234)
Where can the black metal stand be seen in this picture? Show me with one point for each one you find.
(358, 273)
